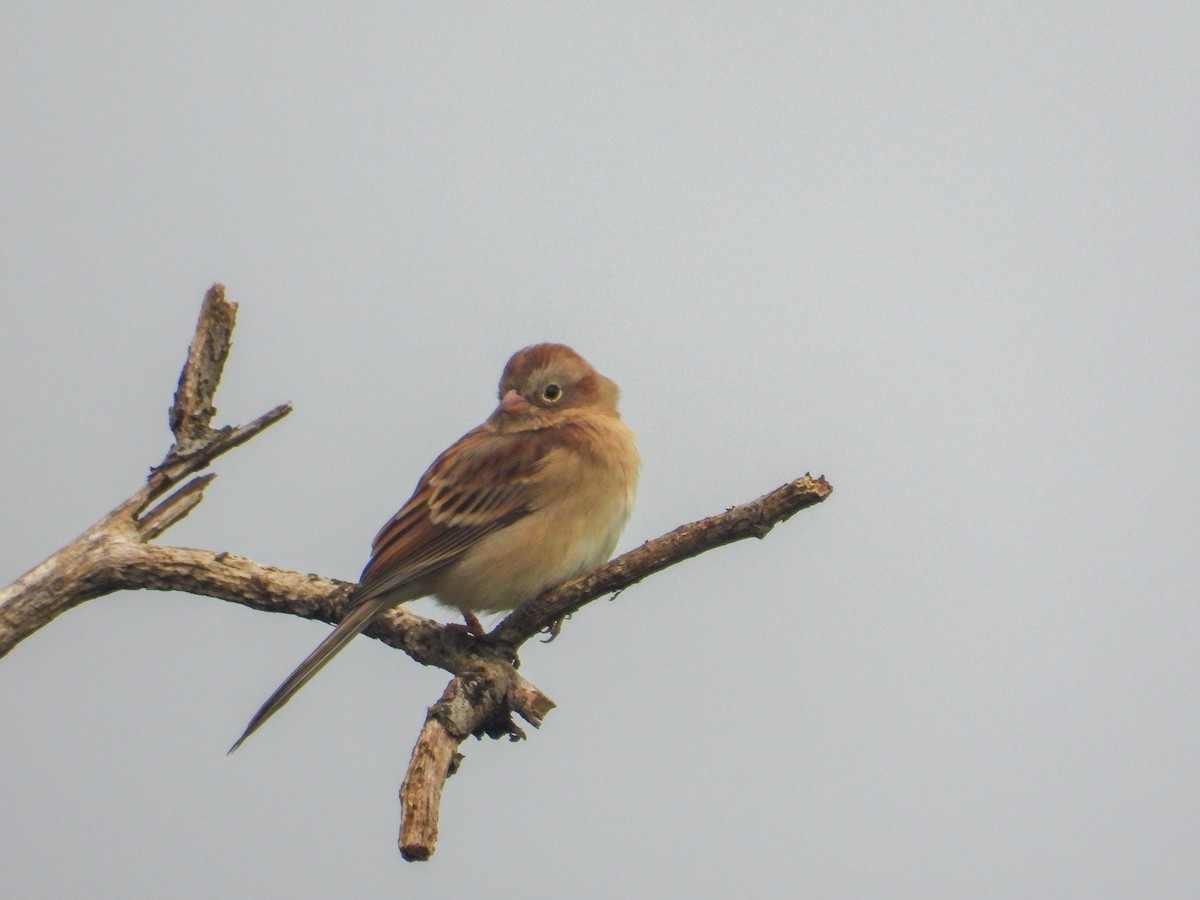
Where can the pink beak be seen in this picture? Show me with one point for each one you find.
(513, 404)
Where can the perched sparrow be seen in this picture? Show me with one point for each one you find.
(537, 494)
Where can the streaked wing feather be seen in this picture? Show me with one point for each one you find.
(481, 484)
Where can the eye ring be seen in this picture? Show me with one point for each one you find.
(552, 393)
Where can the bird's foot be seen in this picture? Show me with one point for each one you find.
(475, 629)
(554, 629)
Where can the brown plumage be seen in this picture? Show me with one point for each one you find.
(537, 494)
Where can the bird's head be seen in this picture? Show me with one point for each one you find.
(546, 384)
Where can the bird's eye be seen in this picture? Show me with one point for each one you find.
(551, 393)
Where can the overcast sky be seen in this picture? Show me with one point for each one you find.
(947, 255)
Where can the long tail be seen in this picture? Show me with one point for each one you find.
(355, 621)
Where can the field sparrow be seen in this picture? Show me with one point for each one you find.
(537, 494)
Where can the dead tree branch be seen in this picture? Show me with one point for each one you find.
(116, 554)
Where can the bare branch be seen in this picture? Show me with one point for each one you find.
(63, 581)
(753, 519)
(193, 408)
(473, 703)
(174, 508)
(116, 554)
(101, 559)
(177, 467)
(435, 758)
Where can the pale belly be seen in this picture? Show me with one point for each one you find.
(565, 538)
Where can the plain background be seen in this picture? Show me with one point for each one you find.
(946, 254)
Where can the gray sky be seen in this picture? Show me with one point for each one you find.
(948, 256)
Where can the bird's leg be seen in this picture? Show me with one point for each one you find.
(473, 627)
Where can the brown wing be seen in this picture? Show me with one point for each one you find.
(484, 482)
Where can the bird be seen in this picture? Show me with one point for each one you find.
(537, 494)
